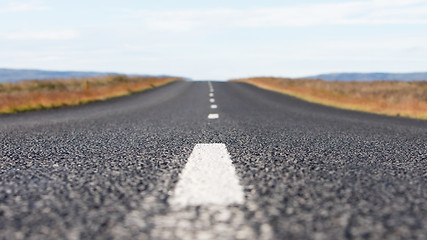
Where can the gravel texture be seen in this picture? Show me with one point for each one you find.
(106, 170)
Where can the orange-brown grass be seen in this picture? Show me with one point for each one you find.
(42, 94)
(407, 99)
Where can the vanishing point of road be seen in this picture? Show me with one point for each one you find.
(211, 160)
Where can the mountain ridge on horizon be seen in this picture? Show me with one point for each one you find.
(16, 75)
(373, 76)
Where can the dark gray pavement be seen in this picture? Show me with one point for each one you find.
(106, 170)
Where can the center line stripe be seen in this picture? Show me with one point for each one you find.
(212, 100)
(213, 116)
(208, 177)
(210, 87)
(214, 106)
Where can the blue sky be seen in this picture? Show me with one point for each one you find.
(215, 39)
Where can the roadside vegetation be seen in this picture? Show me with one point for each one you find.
(43, 94)
(407, 99)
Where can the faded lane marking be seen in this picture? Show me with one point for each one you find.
(208, 178)
(211, 94)
(210, 87)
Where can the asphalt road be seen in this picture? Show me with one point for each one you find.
(108, 170)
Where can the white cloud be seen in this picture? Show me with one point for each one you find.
(146, 48)
(356, 12)
(21, 7)
(42, 35)
(49, 58)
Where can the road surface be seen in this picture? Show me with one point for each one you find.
(199, 160)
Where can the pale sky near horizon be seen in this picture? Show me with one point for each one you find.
(215, 39)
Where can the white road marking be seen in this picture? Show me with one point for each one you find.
(208, 178)
(212, 100)
(211, 94)
(214, 106)
(213, 116)
(210, 87)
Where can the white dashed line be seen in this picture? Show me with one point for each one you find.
(212, 100)
(213, 116)
(214, 106)
(211, 94)
(210, 87)
(208, 177)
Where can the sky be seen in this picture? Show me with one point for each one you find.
(215, 40)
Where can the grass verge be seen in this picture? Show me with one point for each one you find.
(407, 99)
(44, 94)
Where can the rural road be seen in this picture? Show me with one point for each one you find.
(194, 160)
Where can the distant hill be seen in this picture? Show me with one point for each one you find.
(419, 76)
(15, 75)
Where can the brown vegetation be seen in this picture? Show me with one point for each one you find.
(41, 94)
(407, 99)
